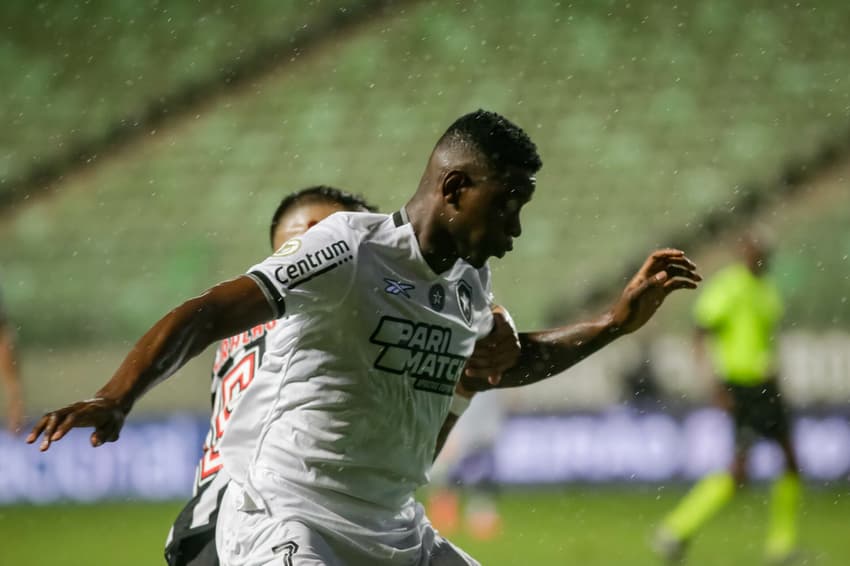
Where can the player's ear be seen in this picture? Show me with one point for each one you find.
(453, 185)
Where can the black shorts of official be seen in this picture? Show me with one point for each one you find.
(758, 411)
(196, 549)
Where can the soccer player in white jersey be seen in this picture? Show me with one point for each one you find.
(191, 540)
(387, 310)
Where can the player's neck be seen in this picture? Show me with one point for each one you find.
(435, 243)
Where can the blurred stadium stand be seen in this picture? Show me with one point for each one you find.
(89, 76)
(658, 125)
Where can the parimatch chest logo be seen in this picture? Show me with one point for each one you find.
(420, 351)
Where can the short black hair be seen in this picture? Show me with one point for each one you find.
(499, 140)
(319, 193)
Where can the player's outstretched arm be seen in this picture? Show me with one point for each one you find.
(549, 352)
(224, 310)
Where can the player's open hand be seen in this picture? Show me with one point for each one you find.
(105, 415)
(662, 273)
(494, 354)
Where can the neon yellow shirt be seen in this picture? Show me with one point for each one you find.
(741, 311)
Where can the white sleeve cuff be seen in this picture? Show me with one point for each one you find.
(459, 405)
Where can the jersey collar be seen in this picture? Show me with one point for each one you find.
(400, 217)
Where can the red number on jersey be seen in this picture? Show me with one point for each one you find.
(232, 385)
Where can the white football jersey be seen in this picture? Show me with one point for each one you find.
(236, 362)
(355, 386)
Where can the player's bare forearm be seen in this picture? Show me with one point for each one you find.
(168, 345)
(182, 334)
(549, 352)
(226, 309)
(445, 430)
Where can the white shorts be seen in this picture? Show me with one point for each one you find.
(276, 537)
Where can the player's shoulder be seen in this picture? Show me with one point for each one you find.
(356, 223)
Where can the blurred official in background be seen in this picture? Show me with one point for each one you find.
(738, 314)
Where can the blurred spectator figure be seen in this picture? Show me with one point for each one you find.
(737, 316)
(9, 374)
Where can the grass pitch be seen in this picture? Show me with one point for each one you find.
(585, 527)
